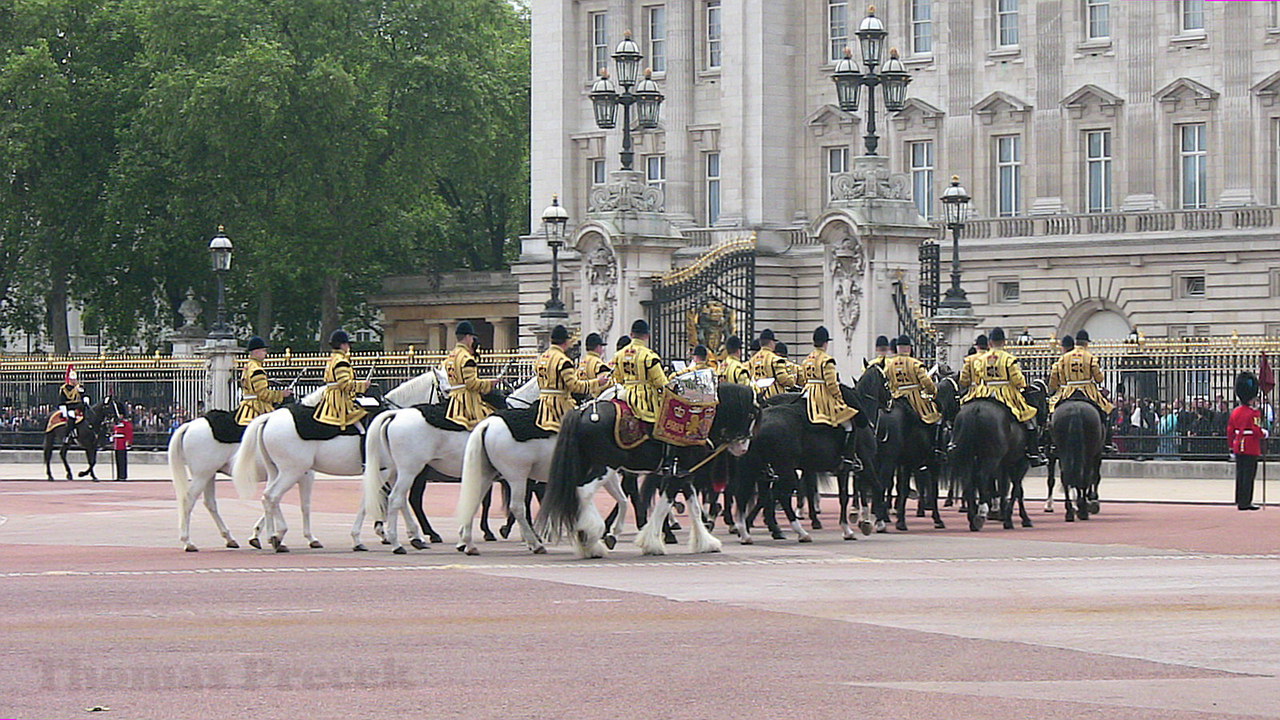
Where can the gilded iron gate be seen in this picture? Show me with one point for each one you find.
(929, 278)
(706, 302)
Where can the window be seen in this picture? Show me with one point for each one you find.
(1191, 286)
(1097, 19)
(1275, 282)
(595, 169)
(1097, 151)
(1008, 291)
(713, 188)
(921, 155)
(656, 22)
(921, 27)
(1275, 180)
(714, 35)
(1006, 23)
(838, 27)
(837, 161)
(1191, 15)
(1273, 15)
(655, 170)
(599, 50)
(1193, 158)
(1008, 175)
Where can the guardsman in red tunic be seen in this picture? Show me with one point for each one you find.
(1245, 435)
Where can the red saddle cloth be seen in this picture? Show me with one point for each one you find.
(684, 423)
(629, 431)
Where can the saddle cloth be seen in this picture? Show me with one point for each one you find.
(56, 420)
(629, 431)
(434, 414)
(523, 423)
(224, 426)
(311, 429)
(683, 422)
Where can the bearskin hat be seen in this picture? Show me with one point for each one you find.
(1246, 387)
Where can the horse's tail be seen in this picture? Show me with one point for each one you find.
(251, 459)
(178, 465)
(560, 504)
(475, 468)
(1071, 449)
(376, 452)
(964, 460)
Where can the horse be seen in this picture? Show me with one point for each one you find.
(585, 449)
(786, 443)
(272, 451)
(1078, 434)
(90, 434)
(989, 461)
(402, 444)
(906, 450)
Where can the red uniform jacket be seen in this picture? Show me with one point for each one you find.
(1244, 431)
(123, 435)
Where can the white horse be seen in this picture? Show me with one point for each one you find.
(402, 443)
(272, 451)
(193, 448)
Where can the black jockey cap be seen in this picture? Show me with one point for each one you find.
(640, 327)
(593, 341)
(905, 341)
(623, 341)
(1082, 337)
(766, 335)
(780, 349)
(981, 342)
(465, 328)
(1246, 387)
(821, 336)
(1068, 342)
(997, 335)
(700, 352)
(754, 346)
(256, 343)
(733, 344)
(882, 342)
(338, 338)
(559, 334)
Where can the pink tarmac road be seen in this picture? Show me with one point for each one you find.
(1145, 611)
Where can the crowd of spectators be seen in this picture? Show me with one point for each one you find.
(24, 427)
(1150, 429)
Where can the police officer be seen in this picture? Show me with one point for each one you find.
(766, 364)
(466, 389)
(733, 369)
(825, 403)
(1000, 377)
(338, 404)
(258, 397)
(558, 381)
(639, 370)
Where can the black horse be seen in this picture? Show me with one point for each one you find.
(906, 450)
(585, 449)
(89, 434)
(1079, 436)
(989, 461)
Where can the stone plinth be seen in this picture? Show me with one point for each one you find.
(220, 382)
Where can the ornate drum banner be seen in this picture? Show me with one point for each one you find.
(682, 422)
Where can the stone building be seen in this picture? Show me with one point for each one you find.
(423, 310)
(1123, 157)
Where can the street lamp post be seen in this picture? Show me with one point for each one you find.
(643, 93)
(955, 205)
(220, 254)
(554, 220)
(893, 78)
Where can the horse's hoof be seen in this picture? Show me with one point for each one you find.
(282, 548)
(315, 545)
(488, 537)
(460, 547)
(864, 527)
(670, 539)
(386, 541)
(473, 551)
(817, 524)
(777, 535)
(274, 541)
(359, 548)
(191, 548)
(948, 503)
(849, 534)
(95, 480)
(1094, 507)
(418, 544)
(1008, 525)
(434, 538)
(920, 512)
(233, 545)
(400, 551)
(939, 525)
(678, 507)
(900, 526)
(542, 550)
(733, 530)
(1027, 523)
(610, 541)
(675, 525)
(746, 540)
(881, 526)
(255, 543)
(504, 531)
(806, 538)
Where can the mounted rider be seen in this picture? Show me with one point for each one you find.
(882, 352)
(701, 359)
(824, 401)
(592, 363)
(908, 378)
(733, 370)
(558, 381)
(639, 370)
(258, 397)
(71, 399)
(338, 405)
(996, 374)
(781, 350)
(767, 366)
(1077, 374)
(466, 389)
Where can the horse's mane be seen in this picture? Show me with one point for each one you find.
(312, 398)
(414, 390)
(737, 403)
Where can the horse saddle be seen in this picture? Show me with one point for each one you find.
(629, 431)
(224, 426)
(434, 414)
(523, 423)
(309, 428)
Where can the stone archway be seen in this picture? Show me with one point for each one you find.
(1103, 319)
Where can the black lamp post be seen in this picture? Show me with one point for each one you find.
(220, 254)
(955, 205)
(850, 81)
(554, 220)
(605, 98)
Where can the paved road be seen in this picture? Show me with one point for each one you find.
(1146, 611)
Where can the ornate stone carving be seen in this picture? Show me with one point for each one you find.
(629, 192)
(870, 182)
(847, 270)
(710, 325)
(602, 286)
(190, 310)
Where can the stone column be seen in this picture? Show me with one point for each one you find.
(220, 381)
(956, 329)
(504, 336)
(676, 112)
(440, 338)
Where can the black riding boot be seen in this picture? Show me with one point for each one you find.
(1034, 456)
(849, 453)
(1108, 447)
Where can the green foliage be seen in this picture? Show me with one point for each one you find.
(337, 141)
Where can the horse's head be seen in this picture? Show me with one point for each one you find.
(871, 393)
(424, 388)
(948, 397)
(736, 415)
(1037, 395)
(525, 395)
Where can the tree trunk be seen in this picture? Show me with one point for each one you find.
(328, 307)
(266, 311)
(56, 307)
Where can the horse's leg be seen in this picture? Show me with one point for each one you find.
(48, 455)
(617, 519)
(275, 490)
(810, 484)
(843, 477)
(903, 476)
(1048, 497)
(1022, 505)
(767, 506)
(930, 491)
(700, 538)
(1068, 508)
(187, 504)
(1006, 500)
(62, 453)
(520, 511)
(789, 485)
(507, 496)
(91, 456)
(486, 506)
(649, 539)
(416, 491)
(304, 497)
(211, 503)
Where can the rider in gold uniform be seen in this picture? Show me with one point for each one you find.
(258, 397)
(639, 370)
(338, 405)
(1078, 374)
(592, 363)
(908, 379)
(1002, 380)
(825, 403)
(766, 364)
(466, 389)
(733, 369)
(558, 381)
